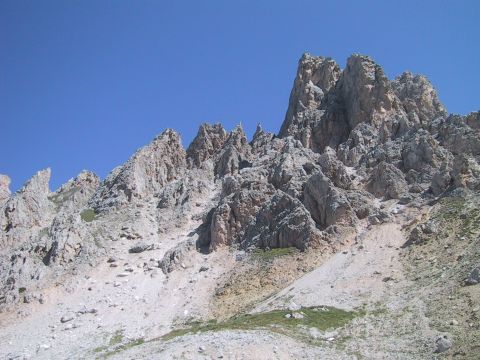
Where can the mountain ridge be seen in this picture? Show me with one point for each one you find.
(356, 153)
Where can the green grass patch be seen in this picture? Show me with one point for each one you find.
(88, 215)
(22, 290)
(117, 344)
(117, 338)
(125, 346)
(274, 253)
(322, 318)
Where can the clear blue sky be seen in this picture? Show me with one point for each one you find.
(84, 83)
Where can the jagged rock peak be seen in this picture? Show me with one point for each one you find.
(38, 183)
(209, 140)
(4, 188)
(365, 91)
(260, 139)
(77, 191)
(235, 153)
(418, 97)
(322, 72)
(145, 173)
(473, 120)
(27, 210)
(237, 137)
(258, 131)
(327, 105)
(84, 178)
(315, 77)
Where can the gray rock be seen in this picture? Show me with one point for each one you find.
(27, 211)
(235, 153)
(387, 181)
(145, 173)
(389, 137)
(140, 247)
(67, 317)
(282, 222)
(208, 142)
(235, 212)
(297, 315)
(327, 204)
(442, 343)
(474, 277)
(4, 189)
(418, 98)
(203, 268)
(466, 172)
(315, 77)
(459, 134)
(175, 258)
(423, 154)
(334, 169)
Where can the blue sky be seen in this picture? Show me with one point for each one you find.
(83, 84)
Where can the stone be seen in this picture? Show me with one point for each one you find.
(327, 204)
(145, 173)
(315, 77)
(348, 136)
(418, 98)
(473, 277)
(297, 315)
(140, 247)
(4, 189)
(234, 154)
(209, 141)
(67, 317)
(174, 258)
(27, 211)
(442, 343)
(387, 181)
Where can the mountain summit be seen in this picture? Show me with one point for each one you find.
(353, 233)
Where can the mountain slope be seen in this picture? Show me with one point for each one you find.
(366, 201)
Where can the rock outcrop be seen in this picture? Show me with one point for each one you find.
(235, 154)
(315, 77)
(208, 142)
(326, 203)
(418, 98)
(4, 189)
(351, 140)
(144, 174)
(387, 181)
(27, 211)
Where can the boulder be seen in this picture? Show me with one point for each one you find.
(387, 181)
(327, 204)
(473, 277)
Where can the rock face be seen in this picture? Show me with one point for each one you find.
(4, 188)
(315, 77)
(209, 140)
(145, 173)
(327, 204)
(351, 139)
(26, 210)
(387, 181)
(234, 155)
(418, 98)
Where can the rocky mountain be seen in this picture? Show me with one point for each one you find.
(353, 233)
